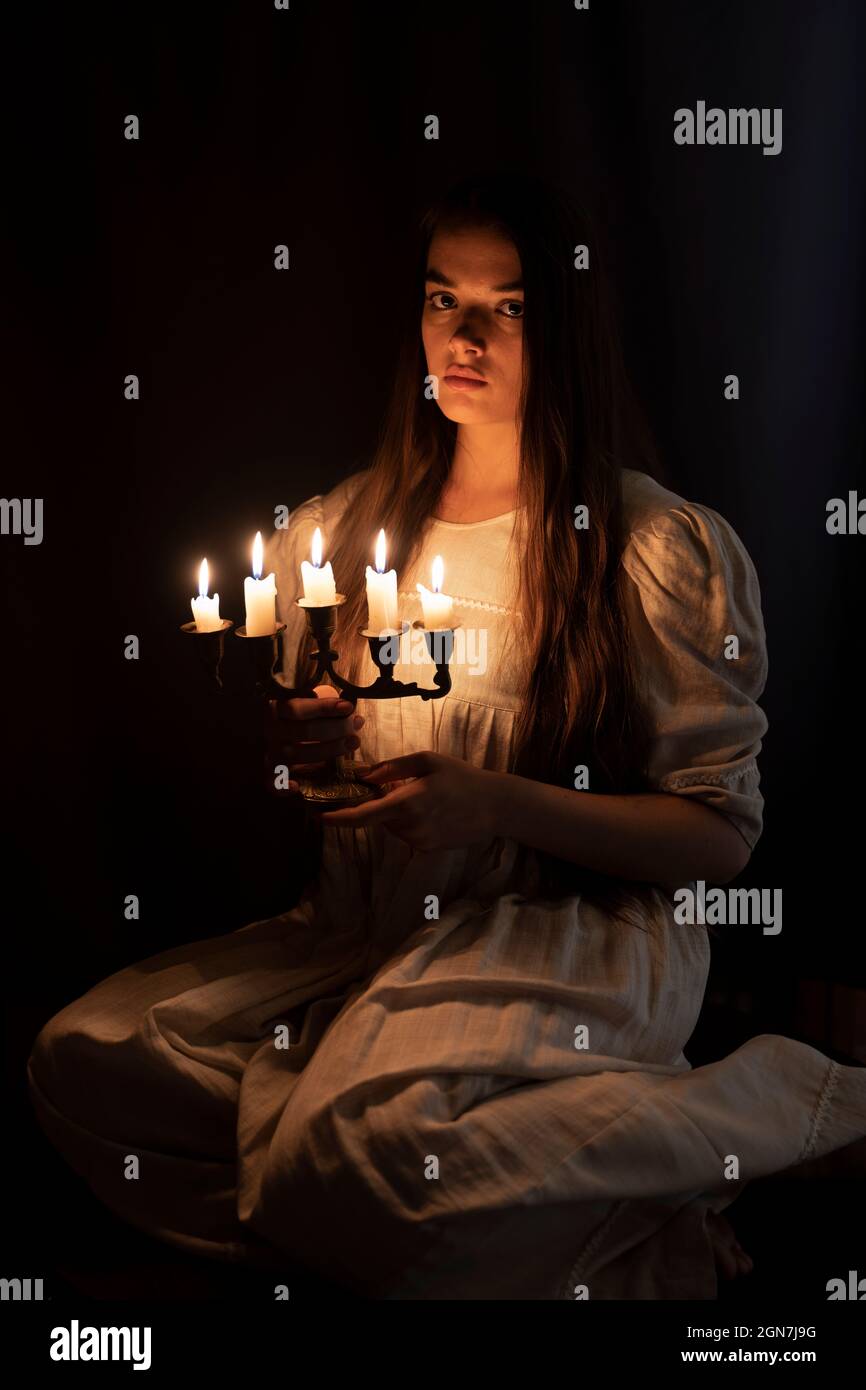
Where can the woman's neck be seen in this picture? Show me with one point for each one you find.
(484, 469)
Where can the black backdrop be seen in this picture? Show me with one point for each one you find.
(156, 258)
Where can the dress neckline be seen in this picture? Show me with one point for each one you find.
(468, 525)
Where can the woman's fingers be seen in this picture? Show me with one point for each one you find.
(325, 730)
(310, 721)
(302, 707)
(304, 731)
(382, 809)
(305, 753)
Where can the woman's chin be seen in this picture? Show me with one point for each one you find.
(464, 412)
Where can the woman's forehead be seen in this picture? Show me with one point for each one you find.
(478, 256)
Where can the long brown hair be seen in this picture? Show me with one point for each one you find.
(581, 425)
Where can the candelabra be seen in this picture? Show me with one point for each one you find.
(339, 782)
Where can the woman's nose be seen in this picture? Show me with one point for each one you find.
(468, 335)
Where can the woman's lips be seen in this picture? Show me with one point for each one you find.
(464, 383)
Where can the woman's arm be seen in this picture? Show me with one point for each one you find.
(654, 837)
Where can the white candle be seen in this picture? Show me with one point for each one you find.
(318, 579)
(381, 592)
(437, 607)
(260, 596)
(206, 611)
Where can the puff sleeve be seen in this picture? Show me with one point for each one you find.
(284, 550)
(690, 585)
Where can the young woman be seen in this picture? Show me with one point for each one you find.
(486, 989)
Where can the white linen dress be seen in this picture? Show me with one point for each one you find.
(434, 1130)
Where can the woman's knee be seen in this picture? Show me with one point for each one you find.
(57, 1052)
(111, 1066)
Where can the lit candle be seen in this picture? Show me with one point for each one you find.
(381, 593)
(319, 587)
(437, 606)
(260, 596)
(206, 611)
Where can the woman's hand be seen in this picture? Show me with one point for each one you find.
(306, 731)
(447, 804)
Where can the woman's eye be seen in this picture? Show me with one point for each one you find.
(512, 309)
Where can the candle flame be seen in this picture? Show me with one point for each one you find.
(202, 579)
(380, 552)
(438, 574)
(316, 548)
(258, 555)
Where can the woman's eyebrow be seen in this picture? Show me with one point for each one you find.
(438, 278)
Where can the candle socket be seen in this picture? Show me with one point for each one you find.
(322, 619)
(339, 782)
(211, 647)
(265, 650)
(439, 642)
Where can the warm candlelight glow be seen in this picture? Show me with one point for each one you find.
(381, 592)
(320, 591)
(436, 606)
(206, 611)
(260, 596)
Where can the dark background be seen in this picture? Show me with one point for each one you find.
(257, 387)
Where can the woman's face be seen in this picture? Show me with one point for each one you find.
(473, 320)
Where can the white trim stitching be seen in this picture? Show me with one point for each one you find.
(831, 1081)
(464, 602)
(700, 779)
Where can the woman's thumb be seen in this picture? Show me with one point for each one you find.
(397, 769)
(375, 771)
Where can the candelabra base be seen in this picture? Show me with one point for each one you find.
(335, 786)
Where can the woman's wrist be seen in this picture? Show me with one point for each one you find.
(518, 806)
(500, 801)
